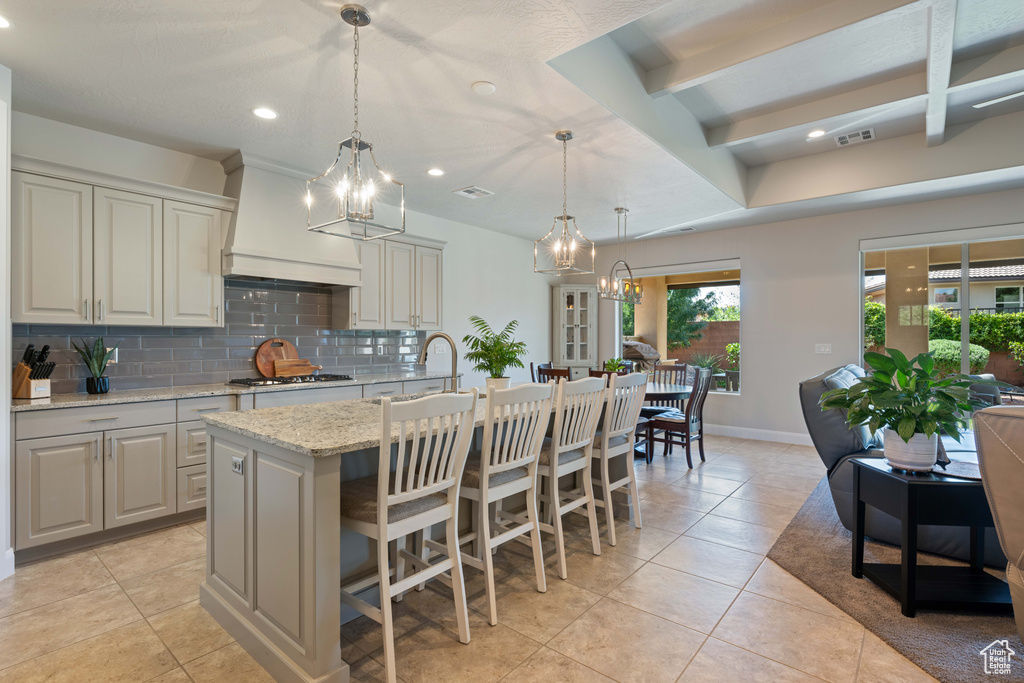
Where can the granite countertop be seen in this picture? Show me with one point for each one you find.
(319, 429)
(201, 390)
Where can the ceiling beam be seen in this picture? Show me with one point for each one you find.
(720, 59)
(990, 68)
(823, 113)
(941, 21)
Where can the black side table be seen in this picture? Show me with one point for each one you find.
(926, 498)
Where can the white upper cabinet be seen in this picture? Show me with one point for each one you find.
(193, 287)
(574, 325)
(127, 258)
(367, 300)
(52, 245)
(400, 287)
(428, 288)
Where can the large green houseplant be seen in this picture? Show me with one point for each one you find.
(911, 401)
(494, 352)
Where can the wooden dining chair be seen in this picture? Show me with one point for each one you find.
(433, 435)
(545, 375)
(682, 428)
(665, 374)
(616, 437)
(533, 374)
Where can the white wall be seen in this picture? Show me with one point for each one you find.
(6, 510)
(800, 285)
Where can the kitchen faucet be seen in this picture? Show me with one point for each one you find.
(455, 358)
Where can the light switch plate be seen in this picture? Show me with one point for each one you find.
(825, 349)
(238, 465)
(440, 348)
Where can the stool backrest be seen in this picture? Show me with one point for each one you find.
(515, 423)
(577, 408)
(625, 399)
(433, 434)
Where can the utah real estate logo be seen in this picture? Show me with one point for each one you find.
(998, 658)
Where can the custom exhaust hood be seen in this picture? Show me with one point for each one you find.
(268, 236)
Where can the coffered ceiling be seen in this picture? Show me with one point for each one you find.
(692, 112)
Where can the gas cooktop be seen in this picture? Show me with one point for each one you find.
(274, 381)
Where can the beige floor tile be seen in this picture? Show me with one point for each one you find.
(199, 526)
(59, 624)
(173, 676)
(628, 644)
(148, 553)
(755, 513)
(668, 517)
(805, 451)
(804, 640)
(719, 662)
(548, 666)
(879, 663)
(166, 588)
(596, 573)
(52, 580)
(704, 482)
(709, 560)
(230, 663)
(189, 631)
(719, 471)
(432, 652)
(680, 497)
(539, 616)
(752, 464)
(717, 442)
(124, 655)
(367, 670)
(756, 446)
(657, 472)
(417, 607)
(815, 472)
(753, 538)
(686, 599)
(772, 581)
(643, 543)
(786, 481)
(771, 495)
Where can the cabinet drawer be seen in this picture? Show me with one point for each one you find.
(417, 386)
(190, 409)
(191, 443)
(39, 423)
(304, 396)
(191, 487)
(383, 389)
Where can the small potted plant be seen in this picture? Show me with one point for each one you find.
(494, 352)
(912, 402)
(616, 365)
(96, 358)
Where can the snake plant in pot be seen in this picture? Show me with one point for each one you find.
(494, 352)
(96, 358)
(912, 401)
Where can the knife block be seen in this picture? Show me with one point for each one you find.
(23, 387)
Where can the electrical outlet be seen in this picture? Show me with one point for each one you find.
(113, 358)
(238, 465)
(825, 349)
(440, 348)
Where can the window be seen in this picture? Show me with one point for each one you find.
(1008, 297)
(947, 295)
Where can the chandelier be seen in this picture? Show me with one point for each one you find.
(356, 185)
(564, 250)
(612, 287)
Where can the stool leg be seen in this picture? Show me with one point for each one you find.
(588, 488)
(556, 520)
(458, 585)
(483, 535)
(386, 620)
(607, 491)
(533, 515)
(634, 494)
(399, 564)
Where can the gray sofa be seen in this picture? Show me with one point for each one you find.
(836, 444)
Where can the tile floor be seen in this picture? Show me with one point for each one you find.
(690, 597)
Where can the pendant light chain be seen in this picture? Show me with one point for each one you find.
(565, 172)
(355, 84)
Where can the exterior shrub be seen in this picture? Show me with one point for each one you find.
(874, 323)
(947, 356)
(732, 356)
(993, 331)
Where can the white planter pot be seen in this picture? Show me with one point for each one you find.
(918, 455)
(498, 382)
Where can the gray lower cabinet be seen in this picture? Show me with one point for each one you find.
(59, 488)
(191, 443)
(139, 477)
(191, 487)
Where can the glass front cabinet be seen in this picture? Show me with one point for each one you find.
(574, 325)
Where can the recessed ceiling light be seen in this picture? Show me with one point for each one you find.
(997, 100)
(265, 113)
(484, 88)
(435, 172)
(816, 133)
(5, 22)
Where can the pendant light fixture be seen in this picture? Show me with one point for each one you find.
(613, 287)
(356, 185)
(564, 250)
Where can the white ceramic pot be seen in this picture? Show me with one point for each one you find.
(499, 382)
(918, 455)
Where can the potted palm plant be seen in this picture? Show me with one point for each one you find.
(494, 352)
(96, 358)
(912, 402)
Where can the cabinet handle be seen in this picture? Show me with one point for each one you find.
(216, 314)
(110, 449)
(385, 393)
(207, 410)
(101, 419)
(99, 304)
(85, 310)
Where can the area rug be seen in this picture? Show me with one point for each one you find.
(945, 644)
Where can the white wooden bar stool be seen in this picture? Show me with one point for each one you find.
(617, 437)
(514, 427)
(568, 451)
(433, 435)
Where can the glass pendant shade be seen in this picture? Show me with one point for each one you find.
(564, 250)
(613, 287)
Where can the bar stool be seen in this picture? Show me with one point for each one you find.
(433, 436)
(568, 451)
(617, 437)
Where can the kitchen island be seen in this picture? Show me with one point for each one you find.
(276, 551)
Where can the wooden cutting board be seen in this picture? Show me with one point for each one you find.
(272, 350)
(294, 368)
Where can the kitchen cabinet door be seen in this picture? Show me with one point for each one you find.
(367, 300)
(400, 286)
(140, 475)
(128, 258)
(58, 488)
(51, 250)
(191, 443)
(193, 284)
(428, 288)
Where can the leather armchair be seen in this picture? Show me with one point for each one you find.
(999, 432)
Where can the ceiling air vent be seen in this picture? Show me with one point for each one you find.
(473, 192)
(680, 228)
(855, 138)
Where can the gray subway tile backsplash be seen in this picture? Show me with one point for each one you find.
(255, 310)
